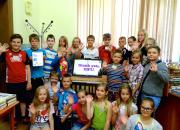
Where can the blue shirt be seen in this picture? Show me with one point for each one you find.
(50, 56)
(36, 72)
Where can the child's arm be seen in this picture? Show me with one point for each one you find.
(29, 86)
(90, 109)
(66, 116)
(86, 126)
(115, 112)
(51, 121)
(32, 111)
(108, 117)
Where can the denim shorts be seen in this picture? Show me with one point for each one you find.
(39, 125)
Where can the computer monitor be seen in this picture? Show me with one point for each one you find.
(87, 67)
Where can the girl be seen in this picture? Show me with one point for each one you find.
(99, 110)
(123, 108)
(144, 121)
(81, 109)
(142, 35)
(131, 42)
(135, 73)
(41, 111)
(75, 49)
(155, 76)
(63, 42)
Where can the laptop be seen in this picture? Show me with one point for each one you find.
(87, 67)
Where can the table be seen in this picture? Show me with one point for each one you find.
(9, 110)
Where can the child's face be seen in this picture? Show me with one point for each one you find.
(81, 98)
(76, 43)
(153, 54)
(148, 44)
(50, 42)
(54, 79)
(135, 59)
(122, 42)
(34, 43)
(101, 92)
(106, 41)
(90, 42)
(117, 57)
(66, 82)
(63, 51)
(130, 42)
(141, 36)
(42, 95)
(125, 95)
(16, 44)
(62, 43)
(146, 108)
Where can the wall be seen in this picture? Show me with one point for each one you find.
(62, 12)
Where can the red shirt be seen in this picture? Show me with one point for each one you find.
(105, 55)
(16, 66)
(63, 64)
(82, 117)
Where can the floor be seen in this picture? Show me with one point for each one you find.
(5, 125)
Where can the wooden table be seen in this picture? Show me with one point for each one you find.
(9, 110)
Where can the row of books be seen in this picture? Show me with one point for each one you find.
(7, 99)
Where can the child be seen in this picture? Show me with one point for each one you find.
(63, 42)
(81, 109)
(41, 110)
(135, 73)
(18, 75)
(62, 64)
(142, 36)
(149, 42)
(90, 52)
(155, 76)
(131, 42)
(144, 121)
(106, 50)
(50, 56)
(123, 108)
(63, 104)
(125, 56)
(37, 72)
(116, 75)
(99, 110)
(75, 49)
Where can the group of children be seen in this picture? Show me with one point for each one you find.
(132, 75)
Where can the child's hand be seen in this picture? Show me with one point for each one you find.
(104, 65)
(70, 100)
(29, 86)
(153, 67)
(115, 108)
(126, 68)
(3, 47)
(32, 109)
(81, 46)
(124, 119)
(89, 98)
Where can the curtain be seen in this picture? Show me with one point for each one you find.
(125, 18)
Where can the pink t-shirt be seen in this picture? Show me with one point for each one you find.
(82, 116)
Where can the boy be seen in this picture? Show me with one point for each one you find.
(50, 56)
(125, 56)
(90, 52)
(37, 73)
(18, 75)
(116, 75)
(106, 50)
(63, 103)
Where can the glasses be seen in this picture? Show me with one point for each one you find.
(146, 109)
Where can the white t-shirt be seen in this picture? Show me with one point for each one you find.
(91, 54)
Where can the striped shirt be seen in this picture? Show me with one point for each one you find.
(115, 76)
(50, 56)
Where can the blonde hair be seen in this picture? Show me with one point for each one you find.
(145, 36)
(64, 38)
(36, 101)
(74, 41)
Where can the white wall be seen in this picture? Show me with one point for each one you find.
(62, 12)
